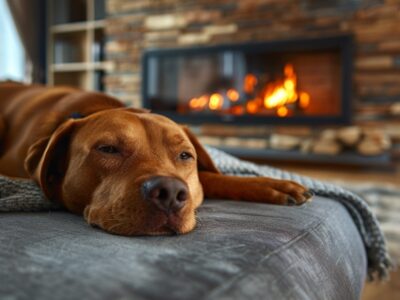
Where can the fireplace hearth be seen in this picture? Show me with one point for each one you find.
(303, 81)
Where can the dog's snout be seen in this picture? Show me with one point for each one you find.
(168, 193)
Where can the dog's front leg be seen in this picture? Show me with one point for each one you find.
(254, 189)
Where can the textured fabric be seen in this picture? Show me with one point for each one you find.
(22, 195)
(383, 199)
(13, 197)
(378, 259)
(238, 251)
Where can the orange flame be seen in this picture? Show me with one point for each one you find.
(277, 95)
(193, 103)
(237, 110)
(250, 82)
(280, 94)
(304, 100)
(233, 95)
(216, 101)
(252, 106)
(282, 111)
(198, 103)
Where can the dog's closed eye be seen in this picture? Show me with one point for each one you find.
(109, 149)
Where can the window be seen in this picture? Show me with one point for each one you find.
(12, 57)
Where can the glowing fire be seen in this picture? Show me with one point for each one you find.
(216, 101)
(233, 95)
(250, 82)
(198, 103)
(281, 96)
(304, 100)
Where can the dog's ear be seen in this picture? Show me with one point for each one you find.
(46, 160)
(204, 161)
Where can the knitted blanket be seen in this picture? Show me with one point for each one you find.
(24, 195)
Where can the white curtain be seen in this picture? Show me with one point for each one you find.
(12, 56)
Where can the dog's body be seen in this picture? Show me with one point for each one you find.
(126, 170)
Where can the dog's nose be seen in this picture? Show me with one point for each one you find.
(168, 193)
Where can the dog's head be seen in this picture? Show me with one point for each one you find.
(128, 172)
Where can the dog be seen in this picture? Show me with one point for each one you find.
(126, 170)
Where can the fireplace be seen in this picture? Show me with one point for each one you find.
(303, 81)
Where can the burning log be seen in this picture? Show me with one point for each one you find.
(281, 97)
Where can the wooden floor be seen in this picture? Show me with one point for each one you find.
(383, 290)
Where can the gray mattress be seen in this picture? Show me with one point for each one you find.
(238, 251)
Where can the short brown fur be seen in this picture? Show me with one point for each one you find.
(40, 140)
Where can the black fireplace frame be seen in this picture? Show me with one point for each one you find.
(342, 43)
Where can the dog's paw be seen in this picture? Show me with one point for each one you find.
(291, 193)
(305, 197)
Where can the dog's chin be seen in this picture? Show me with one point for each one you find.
(166, 225)
(163, 230)
(173, 226)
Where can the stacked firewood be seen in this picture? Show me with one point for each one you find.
(368, 141)
(365, 141)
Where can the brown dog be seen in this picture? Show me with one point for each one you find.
(127, 171)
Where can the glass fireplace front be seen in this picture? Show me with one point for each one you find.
(285, 82)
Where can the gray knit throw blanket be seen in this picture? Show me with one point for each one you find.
(24, 195)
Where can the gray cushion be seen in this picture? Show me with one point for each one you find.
(238, 250)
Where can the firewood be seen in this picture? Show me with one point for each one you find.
(210, 140)
(389, 127)
(349, 135)
(327, 147)
(369, 147)
(379, 137)
(375, 142)
(306, 146)
(233, 142)
(284, 142)
(255, 143)
(328, 135)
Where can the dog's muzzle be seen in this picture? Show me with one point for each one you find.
(168, 194)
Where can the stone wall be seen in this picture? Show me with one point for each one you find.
(133, 26)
